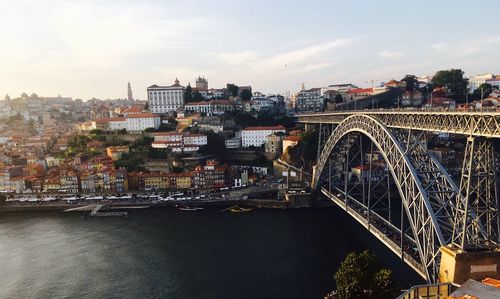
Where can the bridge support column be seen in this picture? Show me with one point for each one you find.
(477, 209)
(457, 266)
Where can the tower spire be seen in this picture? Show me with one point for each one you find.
(129, 93)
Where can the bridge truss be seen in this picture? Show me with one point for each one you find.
(485, 124)
(434, 210)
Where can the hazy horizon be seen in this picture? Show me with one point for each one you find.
(84, 49)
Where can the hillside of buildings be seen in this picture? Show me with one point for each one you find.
(180, 137)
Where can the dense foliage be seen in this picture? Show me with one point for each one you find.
(232, 89)
(215, 144)
(485, 89)
(246, 95)
(140, 150)
(454, 81)
(244, 119)
(188, 96)
(360, 276)
(410, 82)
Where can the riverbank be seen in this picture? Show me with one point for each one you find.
(253, 203)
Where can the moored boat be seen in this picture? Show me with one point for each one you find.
(189, 209)
(237, 209)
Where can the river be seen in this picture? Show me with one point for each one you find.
(165, 253)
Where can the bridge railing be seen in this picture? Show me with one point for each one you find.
(376, 227)
(431, 291)
(410, 109)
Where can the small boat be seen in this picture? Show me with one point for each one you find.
(189, 209)
(237, 209)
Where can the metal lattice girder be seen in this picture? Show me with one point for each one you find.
(323, 134)
(426, 190)
(477, 220)
(486, 124)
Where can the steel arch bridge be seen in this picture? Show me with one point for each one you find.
(437, 210)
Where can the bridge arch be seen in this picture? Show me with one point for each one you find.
(428, 211)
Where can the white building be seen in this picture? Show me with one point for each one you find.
(199, 107)
(476, 80)
(179, 142)
(309, 100)
(215, 93)
(257, 136)
(209, 107)
(109, 123)
(132, 123)
(219, 107)
(197, 139)
(163, 99)
(258, 104)
(216, 128)
(168, 136)
(233, 143)
(142, 121)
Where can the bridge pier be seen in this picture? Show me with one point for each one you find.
(477, 222)
(457, 266)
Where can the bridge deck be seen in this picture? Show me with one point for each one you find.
(474, 123)
(357, 213)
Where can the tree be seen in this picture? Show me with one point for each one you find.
(454, 81)
(232, 89)
(188, 94)
(197, 97)
(484, 88)
(246, 95)
(360, 276)
(411, 82)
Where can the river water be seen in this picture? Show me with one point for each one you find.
(170, 254)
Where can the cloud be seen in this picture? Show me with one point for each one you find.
(297, 55)
(390, 54)
(287, 59)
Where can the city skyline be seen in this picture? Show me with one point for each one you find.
(86, 49)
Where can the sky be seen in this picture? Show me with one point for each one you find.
(84, 48)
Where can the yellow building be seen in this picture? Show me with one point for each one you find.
(183, 181)
(156, 181)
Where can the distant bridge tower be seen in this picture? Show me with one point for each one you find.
(129, 93)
